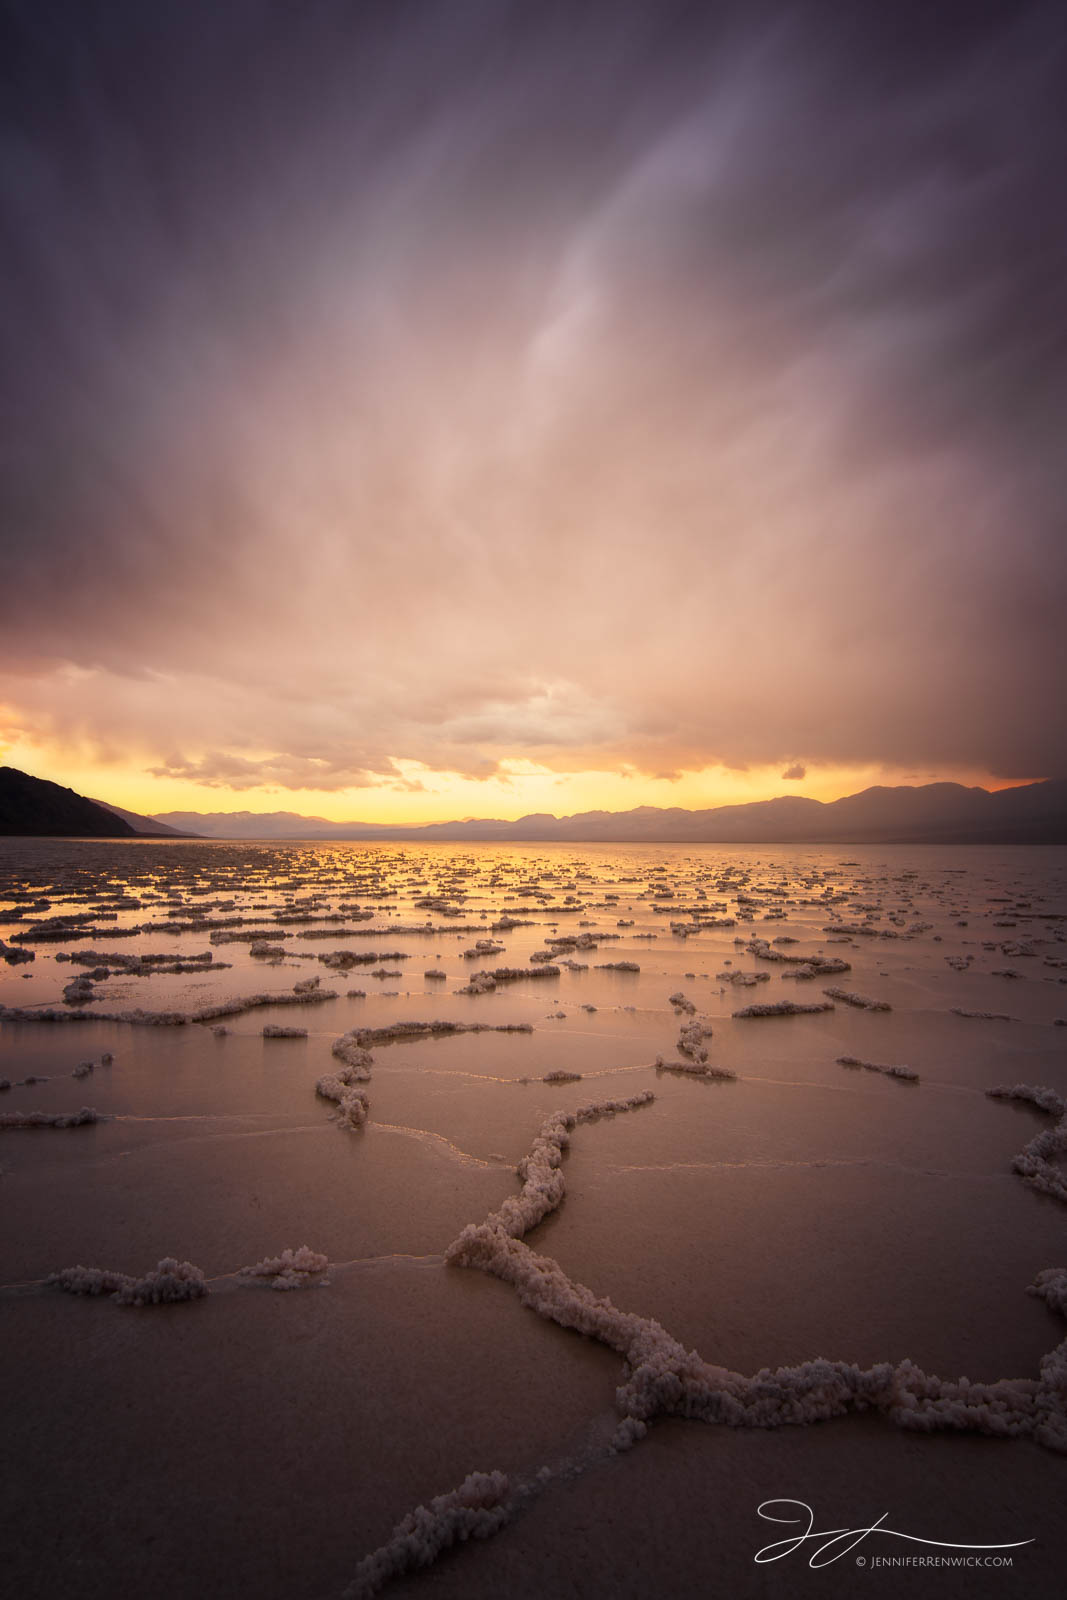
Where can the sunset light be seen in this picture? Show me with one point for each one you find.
(533, 799)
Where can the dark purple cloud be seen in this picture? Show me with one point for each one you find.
(603, 385)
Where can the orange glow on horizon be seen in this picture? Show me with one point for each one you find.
(421, 796)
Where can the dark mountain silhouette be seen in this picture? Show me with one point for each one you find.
(35, 806)
(935, 813)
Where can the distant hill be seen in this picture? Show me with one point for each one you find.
(935, 813)
(36, 807)
(149, 826)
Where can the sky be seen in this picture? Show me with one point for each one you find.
(462, 407)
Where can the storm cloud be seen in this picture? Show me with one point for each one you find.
(615, 386)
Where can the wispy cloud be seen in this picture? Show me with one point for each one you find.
(449, 385)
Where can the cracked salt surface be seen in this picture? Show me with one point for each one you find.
(747, 1205)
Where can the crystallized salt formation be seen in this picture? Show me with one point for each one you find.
(1051, 1286)
(1039, 1162)
(907, 1073)
(543, 1184)
(293, 1269)
(478, 1508)
(862, 1001)
(50, 1119)
(663, 1378)
(1046, 1100)
(694, 1069)
(167, 1019)
(309, 909)
(783, 1008)
(352, 1104)
(691, 1041)
(820, 966)
(169, 1282)
(406, 1031)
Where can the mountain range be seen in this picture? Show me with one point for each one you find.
(934, 813)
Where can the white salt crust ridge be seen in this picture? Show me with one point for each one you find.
(694, 1069)
(908, 1073)
(1051, 1286)
(1037, 1162)
(663, 1378)
(293, 1269)
(784, 1008)
(353, 1106)
(165, 1019)
(1046, 1100)
(51, 1119)
(864, 1002)
(486, 982)
(169, 1282)
(691, 1041)
(477, 1509)
(543, 1184)
(820, 966)
(395, 1031)
(146, 965)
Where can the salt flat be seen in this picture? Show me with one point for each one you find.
(773, 1205)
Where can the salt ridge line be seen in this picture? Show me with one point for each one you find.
(408, 1031)
(484, 1502)
(543, 1183)
(1036, 1162)
(293, 1269)
(352, 1104)
(352, 1050)
(784, 1008)
(850, 998)
(821, 966)
(51, 1119)
(485, 982)
(175, 1019)
(172, 1281)
(908, 1074)
(665, 1379)
(480, 1507)
(694, 1069)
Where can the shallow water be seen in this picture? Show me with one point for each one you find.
(259, 1441)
